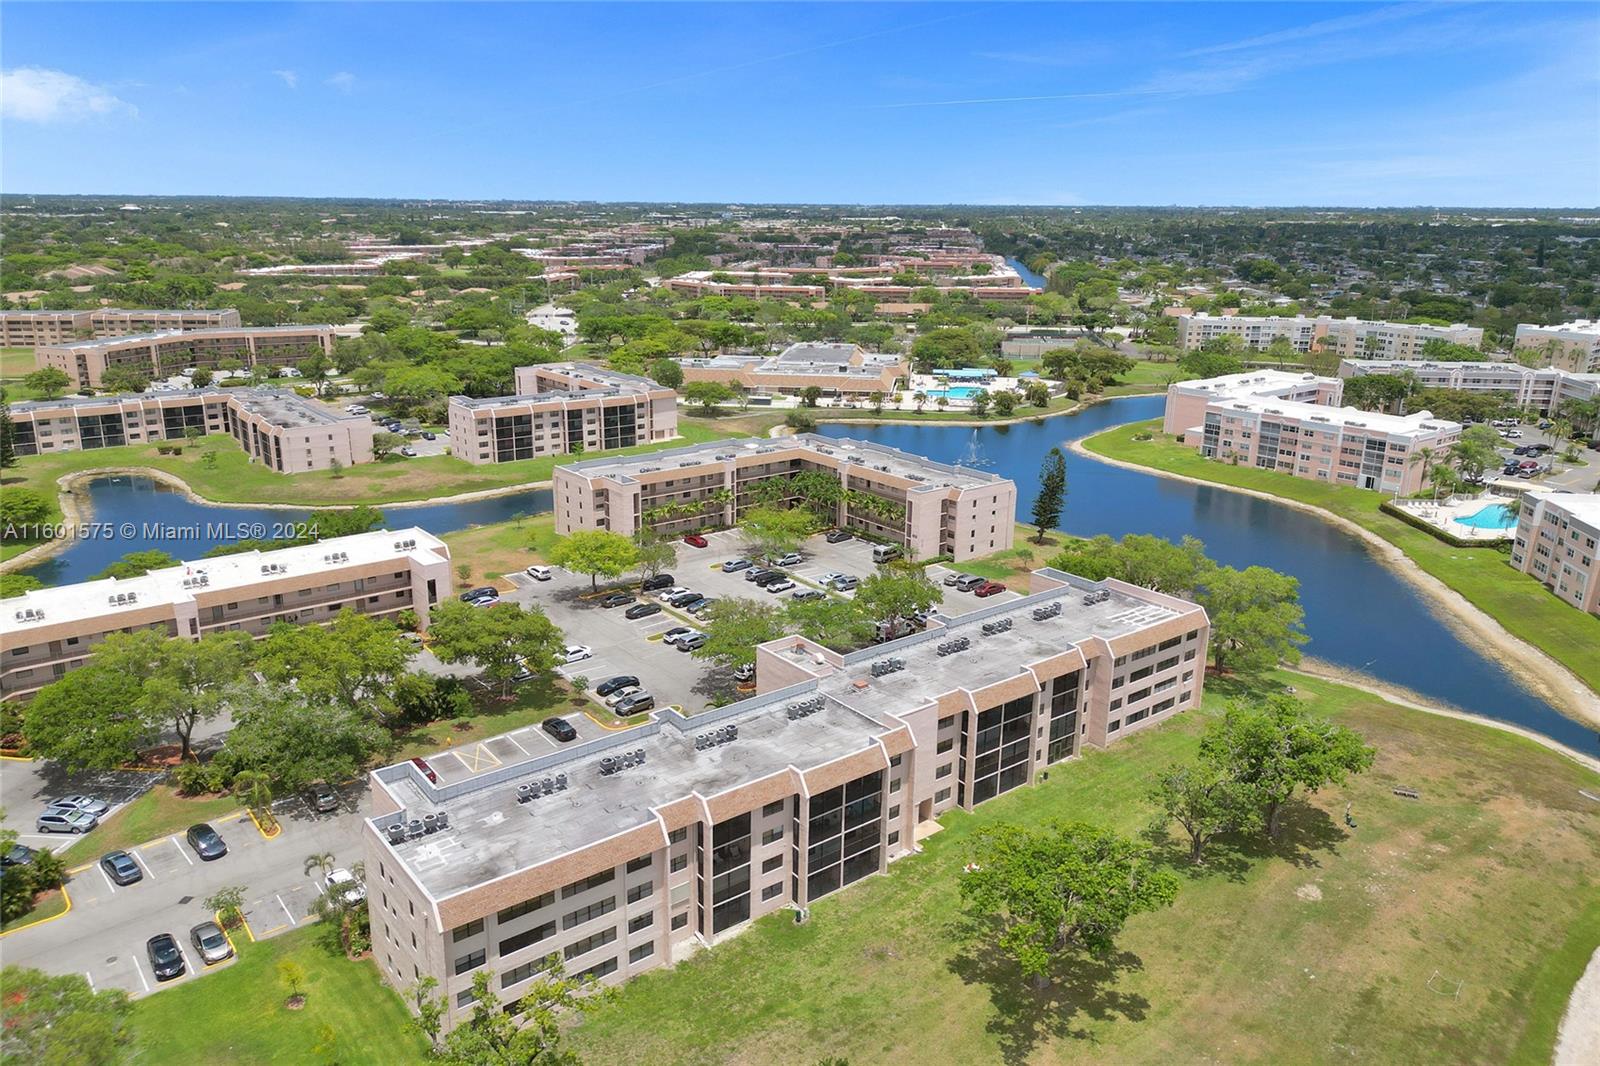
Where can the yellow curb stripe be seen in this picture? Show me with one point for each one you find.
(224, 927)
(244, 922)
(17, 758)
(277, 827)
(64, 912)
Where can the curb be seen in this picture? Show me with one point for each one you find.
(64, 912)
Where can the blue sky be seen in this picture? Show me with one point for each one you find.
(1298, 103)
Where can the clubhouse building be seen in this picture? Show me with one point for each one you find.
(844, 371)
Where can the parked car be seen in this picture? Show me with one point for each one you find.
(524, 671)
(699, 607)
(1522, 449)
(16, 855)
(829, 578)
(342, 885)
(427, 434)
(839, 536)
(988, 588)
(64, 820)
(1510, 468)
(684, 598)
(951, 578)
(618, 599)
(745, 672)
(692, 641)
(409, 452)
(612, 684)
(87, 804)
(357, 409)
(757, 574)
(209, 943)
(735, 564)
(807, 594)
(576, 653)
(621, 694)
(660, 581)
(642, 610)
(695, 540)
(783, 584)
(673, 635)
(321, 798)
(166, 960)
(635, 704)
(206, 842)
(559, 728)
(539, 573)
(788, 559)
(970, 583)
(484, 601)
(845, 582)
(120, 867)
(1529, 464)
(424, 769)
(481, 590)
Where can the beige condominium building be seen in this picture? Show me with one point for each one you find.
(1187, 400)
(927, 508)
(839, 370)
(284, 431)
(1572, 346)
(29, 329)
(562, 409)
(1348, 338)
(1544, 389)
(633, 850)
(162, 354)
(48, 632)
(1558, 542)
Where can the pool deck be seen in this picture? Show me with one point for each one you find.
(1449, 515)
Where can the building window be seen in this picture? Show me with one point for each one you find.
(589, 943)
(946, 770)
(679, 862)
(641, 863)
(772, 835)
(894, 838)
(523, 972)
(527, 906)
(644, 921)
(465, 997)
(942, 795)
(638, 892)
(593, 881)
(470, 961)
(680, 920)
(772, 890)
(530, 936)
(678, 836)
(772, 864)
(589, 913)
(642, 952)
(775, 807)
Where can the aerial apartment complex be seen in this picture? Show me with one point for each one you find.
(30, 329)
(840, 370)
(47, 632)
(631, 851)
(1544, 389)
(1292, 423)
(168, 352)
(1348, 338)
(1573, 346)
(927, 508)
(1556, 541)
(278, 428)
(562, 409)
(977, 274)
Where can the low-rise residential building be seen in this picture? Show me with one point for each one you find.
(1544, 389)
(30, 329)
(1348, 338)
(284, 431)
(562, 409)
(627, 852)
(47, 632)
(1558, 542)
(926, 508)
(1573, 346)
(165, 353)
(1187, 401)
(839, 370)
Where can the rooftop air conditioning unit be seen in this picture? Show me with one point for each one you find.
(1049, 610)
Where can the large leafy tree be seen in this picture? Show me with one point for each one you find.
(189, 680)
(735, 626)
(1048, 892)
(1276, 746)
(501, 639)
(596, 552)
(1052, 495)
(772, 531)
(1139, 559)
(56, 1020)
(1256, 618)
(655, 554)
(136, 563)
(354, 661)
(294, 741)
(1205, 801)
(530, 1034)
(47, 382)
(833, 621)
(893, 595)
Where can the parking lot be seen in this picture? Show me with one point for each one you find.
(530, 742)
(103, 935)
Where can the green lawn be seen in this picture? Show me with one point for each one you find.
(16, 363)
(501, 548)
(48, 906)
(236, 1016)
(1146, 376)
(1482, 575)
(1318, 950)
(531, 702)
(159, 812)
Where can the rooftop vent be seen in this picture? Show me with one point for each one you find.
(404, 545)
(609, 764)
(953, 647)
(1097, 596)
(804, 708)
(1050, 610)
(999, 625)
(336, 557)
(887, 666)
(30, 614)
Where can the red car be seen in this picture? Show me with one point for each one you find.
(695, 540)
(988, 588)
(427, 771)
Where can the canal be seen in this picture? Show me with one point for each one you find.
(1358, 613)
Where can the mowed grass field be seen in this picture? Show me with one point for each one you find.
(1482, 575)
(1319, 950)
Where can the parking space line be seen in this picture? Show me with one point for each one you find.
(285, 907)
(107, 877)
(519, 747)
(140, 971)
(90, 977)
(179, 846)
(149, 871)
(188, 967)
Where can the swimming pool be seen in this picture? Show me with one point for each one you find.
(954, 392)
(1494, 516)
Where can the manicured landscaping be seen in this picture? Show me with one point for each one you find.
(45, 907)
(237, 1014)
(1318, 949)
(501, 548)
(1516, 601)
(530, 703)
(158, 812)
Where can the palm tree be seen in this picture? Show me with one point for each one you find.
(1428, 459)
(922, 399)
(322, 862)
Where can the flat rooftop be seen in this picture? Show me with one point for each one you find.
(491, 835)
(1251, 383)
(1584, 506)
(176, 584)
(279, 406)
(1416, 424)
(872, 456)
(600, 374)
(191, 334)
(484, 403)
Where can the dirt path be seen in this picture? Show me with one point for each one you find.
(1533, 668)
(1579, 1041)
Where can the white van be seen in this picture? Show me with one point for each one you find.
(882, 553)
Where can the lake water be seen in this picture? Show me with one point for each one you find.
(1038, 281)
(1358, 613)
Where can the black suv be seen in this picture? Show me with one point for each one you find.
(642, 610)
(660, 581)
(560, 728)
(610, 685)
(771, 577)
(485, 590)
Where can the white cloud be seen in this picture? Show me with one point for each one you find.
(344, 81)
(290, 78)
(36, 94)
